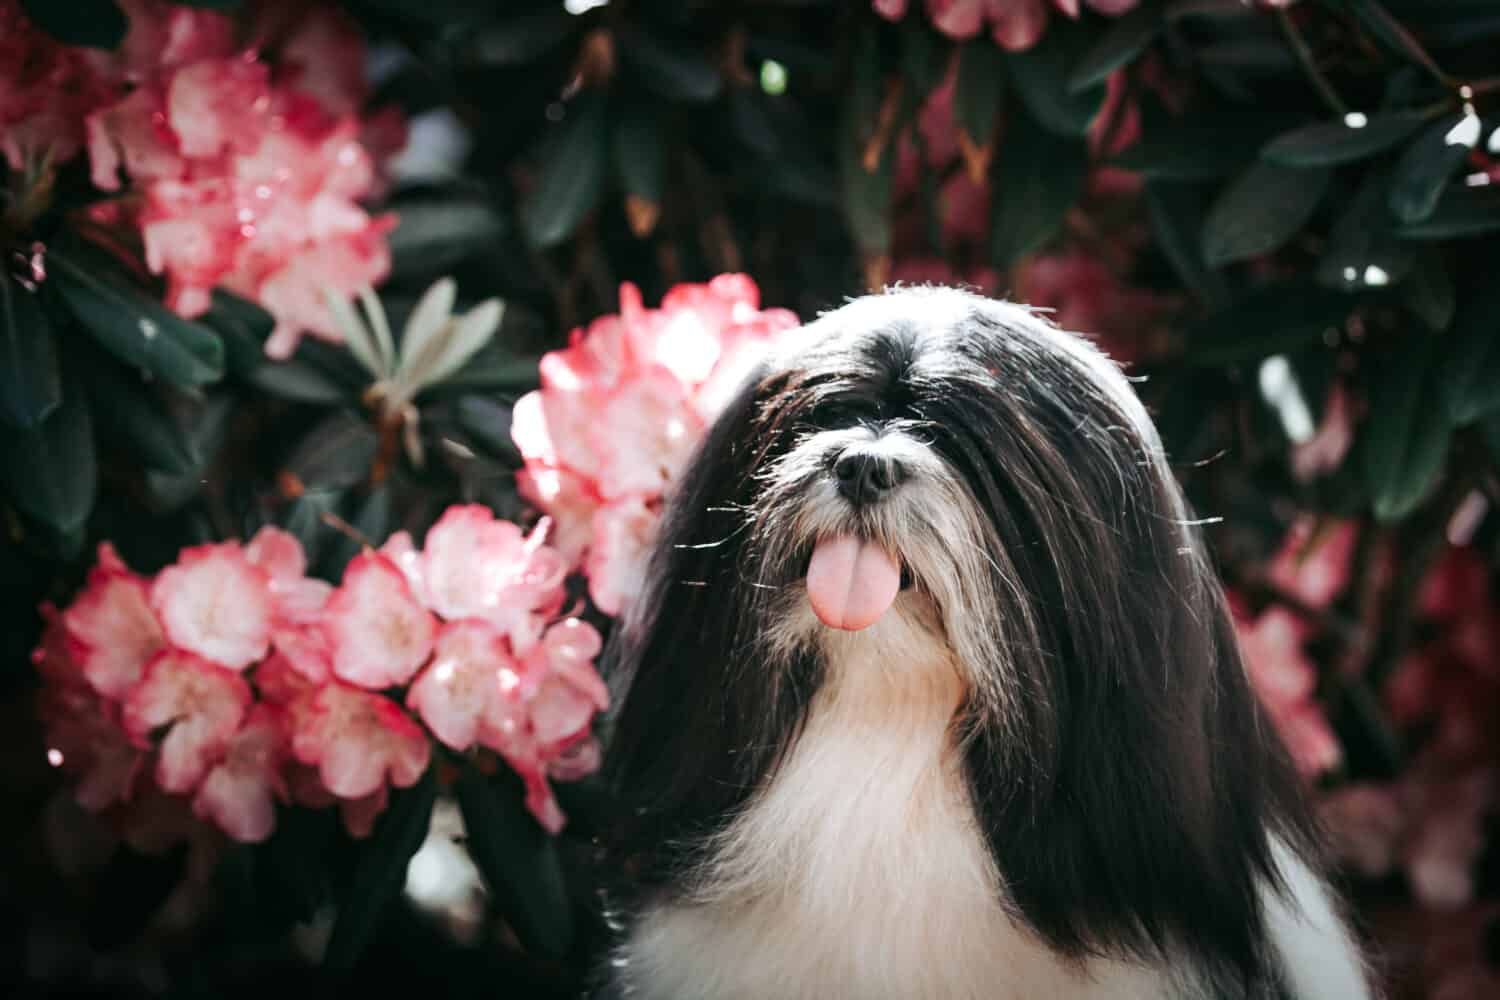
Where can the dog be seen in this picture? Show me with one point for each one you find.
(931, 692)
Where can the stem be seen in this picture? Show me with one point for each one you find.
(1309, 64)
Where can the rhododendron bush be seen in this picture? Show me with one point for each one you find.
(349, 351)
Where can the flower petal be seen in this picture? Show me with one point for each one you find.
(378, 633)
(200, 704)
(456, 689)
(111, 629)
(214, 602)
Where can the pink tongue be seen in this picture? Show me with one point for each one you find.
(851, 582)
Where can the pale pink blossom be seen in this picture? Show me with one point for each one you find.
(377, 631)
(359, 741)
(463, 683)
(474, 566)
(621, 409)
(239, 794)
(45, 90)
(199, 705)
(299, 599)
(541, 724)
(111, 629)
(216, 603)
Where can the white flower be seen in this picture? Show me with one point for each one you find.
(434, 345)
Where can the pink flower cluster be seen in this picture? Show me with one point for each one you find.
(1014, 24)
(241, 143)
(232, 680)
(620, 411)
(1312, 568)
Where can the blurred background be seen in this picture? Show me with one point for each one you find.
(1283, 216)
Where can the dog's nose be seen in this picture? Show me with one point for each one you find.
(865, 478)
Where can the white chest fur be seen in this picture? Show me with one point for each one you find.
(859, 870)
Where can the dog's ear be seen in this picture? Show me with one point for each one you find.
(684, 743)
(1137, 819)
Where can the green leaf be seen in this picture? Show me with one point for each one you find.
(518, 861)
(1262, 208)
(1391, 32)
(866, 194)
(524, 39)
(132, 325)
(299, 382)
(920, 65)
(1363, 250)
(1327, 144)
(1042, 176)
(336, 454)
(1460, 212)
(1124, 39)
(1405, 439)
(980, 88)
(676, 70)
(1200, 147)
(98, 24)
(435, 235)
(30, 387)
(1176, 212)
(1471, 370)
(138, 884)
(244, 328)
(1270, 320)
(207, 430)
(1428, 293)
(495, 370)
(1041, 76)
(488, 424)
(752, 123)
(571, 171)
(50, 471)
(640, 151)
(138, 420)
(1428, 164)
(381, 872)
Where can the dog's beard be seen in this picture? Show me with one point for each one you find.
(931, 527)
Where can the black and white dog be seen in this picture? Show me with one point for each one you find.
(932, 693)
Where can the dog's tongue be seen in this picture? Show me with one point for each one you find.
(851, 582)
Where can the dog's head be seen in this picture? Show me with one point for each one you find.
(961, 466)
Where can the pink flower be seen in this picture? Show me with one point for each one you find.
(1324, 452)
(360, 814)
(1086, 296)
(359, 740)
(239, 793)
(299, 599)
(1015, 24)
(622, 407)
(1313, 563)
(541, 725)
(378, 633)
(474, 566)
(111, 629)
(1365, 824)
(216, 603)
(1285, 681)
(45, 90)
(621, 546)
(200, 704)
(464, 681)
(249, 164)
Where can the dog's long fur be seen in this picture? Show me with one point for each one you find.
(1041, 774)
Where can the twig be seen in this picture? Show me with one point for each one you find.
(1309, 64)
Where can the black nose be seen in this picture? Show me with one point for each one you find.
(865, 478)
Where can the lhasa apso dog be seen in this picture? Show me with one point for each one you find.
(933, 693)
